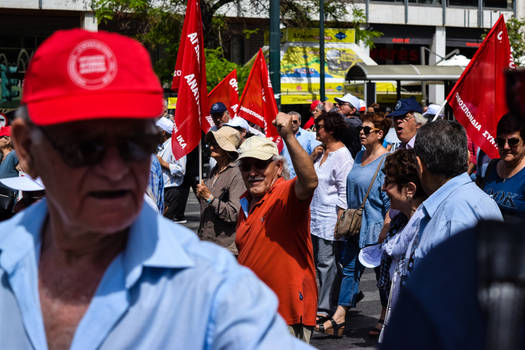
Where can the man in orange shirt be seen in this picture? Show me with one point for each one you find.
(273, 233)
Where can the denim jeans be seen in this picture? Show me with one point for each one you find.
(352, 270)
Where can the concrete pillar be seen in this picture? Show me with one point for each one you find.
(88, 21)
(436, 93)
(520, 8)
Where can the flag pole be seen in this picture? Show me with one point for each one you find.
(200, 160)
(440, 110)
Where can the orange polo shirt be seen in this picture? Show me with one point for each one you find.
(274, 242)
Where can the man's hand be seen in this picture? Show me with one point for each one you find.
(283, 123)
(328, 106)
(163, 163)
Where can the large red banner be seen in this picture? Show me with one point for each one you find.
(227, 92)
(478, 98)
(258, 102)
(192, 100)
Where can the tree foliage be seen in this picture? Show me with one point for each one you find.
(516, 31)
(158, 24)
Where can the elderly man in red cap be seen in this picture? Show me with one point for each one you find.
(91, 266)
(273, 230)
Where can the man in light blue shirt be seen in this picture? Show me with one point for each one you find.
(92, 266)
(455, 203)
(307, 140)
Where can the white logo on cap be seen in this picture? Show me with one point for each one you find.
(92, 65)
(398, 105)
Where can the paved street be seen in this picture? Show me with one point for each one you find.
(361, 318)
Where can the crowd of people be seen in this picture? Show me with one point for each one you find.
(411, 179)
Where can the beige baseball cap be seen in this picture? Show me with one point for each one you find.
(226, 137)
(258, 147)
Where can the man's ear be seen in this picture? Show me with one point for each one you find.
(420, 167)
(21, 136)
(280, 166)
(411, 189)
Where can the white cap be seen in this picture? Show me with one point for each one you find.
(432, 110)
(349, 98)
(238, 122)
(371, 256)
(165, 124)
(23, 182)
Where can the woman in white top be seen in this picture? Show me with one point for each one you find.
(332, 163)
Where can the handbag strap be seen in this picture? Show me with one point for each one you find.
(371, 183)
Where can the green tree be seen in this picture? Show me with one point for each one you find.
(516, 31)
(158, 24)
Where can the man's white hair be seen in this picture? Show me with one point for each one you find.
(286, 173)
(420, 119)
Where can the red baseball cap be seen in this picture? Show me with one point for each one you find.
(314, 105)
(80, 75)
(5, 131)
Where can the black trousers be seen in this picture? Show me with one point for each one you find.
(175, 199)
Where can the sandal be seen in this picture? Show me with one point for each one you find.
(320, 319)
(374, 331)
(336, 330)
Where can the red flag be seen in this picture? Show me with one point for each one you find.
(258, 102)
(478, 98)
(227, 92)
(192, 99)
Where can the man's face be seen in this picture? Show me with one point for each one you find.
(221, 119)
(259, 175)
(406, 127)
(296, 123)
(346, 108)
(104, 197)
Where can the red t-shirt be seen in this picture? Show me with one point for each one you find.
(274, 242)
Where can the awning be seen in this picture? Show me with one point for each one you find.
(411, 72)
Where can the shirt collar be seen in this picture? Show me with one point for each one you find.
(152, 241)
(410, 143)
(431, 204)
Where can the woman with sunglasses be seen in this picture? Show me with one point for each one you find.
(372, 132)
(332, 162)
(505, 177)
(220, 193)
(404, 189)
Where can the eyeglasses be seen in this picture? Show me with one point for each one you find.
(512, 141)
(89, 152)
(320, 126)
(343, 103)
(403, 118)
(247, 165)
(367, 129)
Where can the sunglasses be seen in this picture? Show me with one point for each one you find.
(295, 121)
(247, 165)
(513, 141)
(367, 129)
(89, 152)
(343, 103)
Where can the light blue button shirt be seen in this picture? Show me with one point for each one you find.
(455, 206)
(166, 290)
(308, 142)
